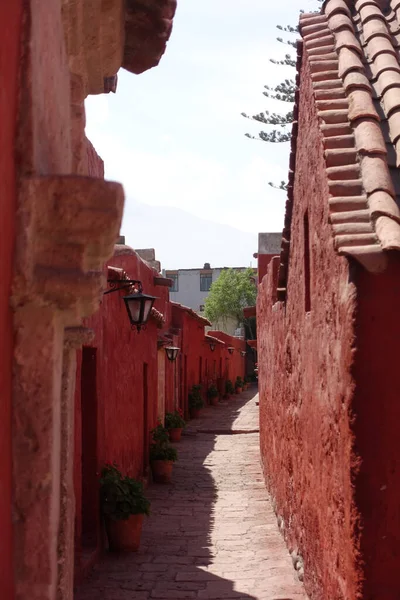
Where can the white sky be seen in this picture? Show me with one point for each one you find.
(174, 136)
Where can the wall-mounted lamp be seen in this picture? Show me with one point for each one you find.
(138, 305)
(243, 353)
(231, 350)
(212, 347)
(172, 352)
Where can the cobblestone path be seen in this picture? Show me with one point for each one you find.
(212, 534)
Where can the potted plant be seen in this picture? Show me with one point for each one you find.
(212, 395)
(229, 389)
(246, 382)
(195, 401)
(174, 423)
(239, 385)
(162, 455)
(123, 505)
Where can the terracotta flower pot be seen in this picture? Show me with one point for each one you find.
(195, 413)
(175, 434)
(238, 390)
(162, 470)
(124, 536)
(214, 401)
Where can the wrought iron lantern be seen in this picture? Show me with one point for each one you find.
(231, 350)
(172, 352)
(212, 346)
(138, 305)
(243, 353)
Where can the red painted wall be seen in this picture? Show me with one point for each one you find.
(191, 359)
(263, 261)
(376, 428)
(95, 162)
(235, 364)
(126, 373)
(202, 365)
(10, 30)
(306, 386)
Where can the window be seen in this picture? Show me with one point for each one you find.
(307, 274)
(175, 286)
(205, 282)
(201, 308)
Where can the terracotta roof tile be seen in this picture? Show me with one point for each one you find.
(340, 156)
(348, 203)
(340, 21)
(365, 136)
(368, 137)
(319, 42)
(356, 80)
(389, 232)
(346, 39)
(349, 60)
(337, 6)
(337, 144)
(353, 216)
(361, 106)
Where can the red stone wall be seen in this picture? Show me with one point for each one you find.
(263, 261)
(306, 387)
(94, 161)
(10, 29)
(376, 426)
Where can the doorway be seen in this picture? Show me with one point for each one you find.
(146, 436)
(90, 485)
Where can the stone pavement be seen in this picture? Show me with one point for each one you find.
(212, 534)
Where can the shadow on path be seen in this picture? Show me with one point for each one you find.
(212, 533)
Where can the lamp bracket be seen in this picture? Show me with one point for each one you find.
(123, 284)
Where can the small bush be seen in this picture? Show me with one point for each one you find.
(121, 496)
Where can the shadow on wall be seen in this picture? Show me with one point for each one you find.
(176, 554)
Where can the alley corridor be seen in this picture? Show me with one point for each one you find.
(212, 534)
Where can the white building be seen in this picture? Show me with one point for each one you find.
(191, 288)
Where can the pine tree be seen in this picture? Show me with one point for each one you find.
(285, 92)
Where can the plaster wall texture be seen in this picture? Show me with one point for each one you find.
(305, 357)
(269, 243)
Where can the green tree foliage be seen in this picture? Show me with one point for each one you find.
(230, 294)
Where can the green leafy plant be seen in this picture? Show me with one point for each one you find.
(212, 392)
(229, 389)
(174, 420)
(195, 399)
(121, 496)
(239, 382)
(229, 295)
(160, 448)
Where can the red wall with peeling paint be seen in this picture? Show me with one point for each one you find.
(306, 386)
(10, 26)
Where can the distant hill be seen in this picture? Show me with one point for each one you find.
(182, 240)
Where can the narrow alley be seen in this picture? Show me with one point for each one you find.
(212, 534)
